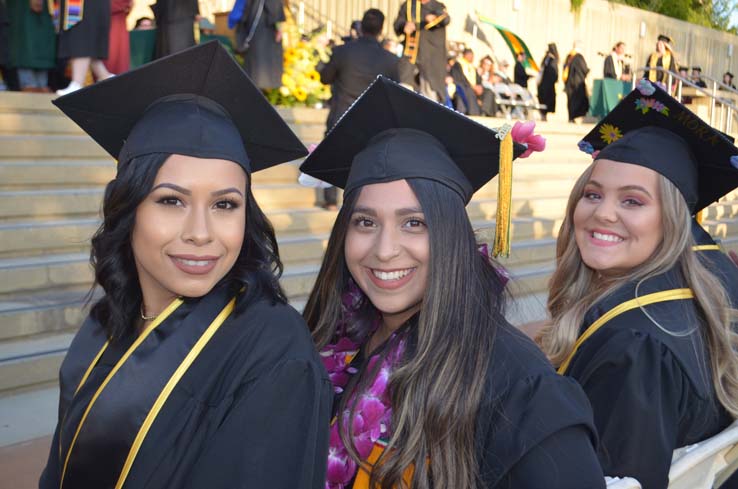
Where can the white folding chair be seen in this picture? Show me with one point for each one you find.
(622, 483)
(706, 464)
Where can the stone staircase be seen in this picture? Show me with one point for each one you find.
(51, 185)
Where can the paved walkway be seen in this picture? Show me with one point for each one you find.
(21, 464)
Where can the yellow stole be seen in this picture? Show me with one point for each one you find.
(661, 296)
(470, 72)
(569, 58)
(362, 477)
(653, 63)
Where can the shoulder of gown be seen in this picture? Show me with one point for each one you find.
(526, 403)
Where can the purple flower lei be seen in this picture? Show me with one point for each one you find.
(373, 413)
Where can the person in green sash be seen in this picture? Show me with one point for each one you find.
(191, 370)
(638, 318)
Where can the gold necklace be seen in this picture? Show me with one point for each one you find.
(145, 317)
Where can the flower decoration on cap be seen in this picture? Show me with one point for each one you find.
(586, 147)
(522, 132)
(610, 133)
(645, 87)
(734, 161)
(646, 104)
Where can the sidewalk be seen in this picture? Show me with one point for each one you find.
(21, 464)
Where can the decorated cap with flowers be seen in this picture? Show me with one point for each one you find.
(652, 129)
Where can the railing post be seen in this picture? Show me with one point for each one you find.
(712, 103)
(679, 90)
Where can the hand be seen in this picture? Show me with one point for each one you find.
(198, 18)
(478, 89)
(430, 18)
(278, 36)
(37, 6)
(409, 28)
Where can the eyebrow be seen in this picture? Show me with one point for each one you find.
(399, 212)
(184, 191)
(626, 187)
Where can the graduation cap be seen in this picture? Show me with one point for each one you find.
(197, 102)
(664, 38)
(391, 133)
(651, 129)
(697, 68)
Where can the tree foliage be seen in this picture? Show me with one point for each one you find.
(709, 13)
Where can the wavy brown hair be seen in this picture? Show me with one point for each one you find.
(437, 389)
(575, 288)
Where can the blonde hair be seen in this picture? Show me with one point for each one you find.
(575, 288)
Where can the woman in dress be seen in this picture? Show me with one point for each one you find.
(435, 388)
(637, 318)
(191, 370)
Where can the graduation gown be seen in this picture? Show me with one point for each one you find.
(535, 428)
(90, 36)
(716, 261)
(547, 85)
(575, 87)
(659, 76)
(175, 24)
(431, 60)
(263, 58)
(651, 391)
(250, 409)
(32, 40)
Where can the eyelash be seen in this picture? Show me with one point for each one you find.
(628, 201)
(359, 220)
(173, 200)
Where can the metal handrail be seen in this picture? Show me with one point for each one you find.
(728, 110)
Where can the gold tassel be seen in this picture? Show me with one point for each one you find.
(700, 216)
(504, 194)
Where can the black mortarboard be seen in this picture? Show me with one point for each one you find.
(697, 68)
(197, 102)
(665, 38)
(650, 128)
(391, 133)
(728, 74)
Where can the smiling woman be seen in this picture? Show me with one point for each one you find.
(436, 389)
(191, 370)
(637, 317)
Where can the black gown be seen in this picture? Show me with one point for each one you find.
(547, 85)
(651, 391)
(263, 58)
(175, 21)
(252, 411)
(576, 89)
(535, 428)
(431, 60)
(90, 36)
(717, 262)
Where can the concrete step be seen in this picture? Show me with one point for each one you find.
(25, 314)
(32, 361)
(24, 146)
(76, 173)
(86, 202)
(27, 102)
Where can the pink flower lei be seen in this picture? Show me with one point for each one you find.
(373, 413)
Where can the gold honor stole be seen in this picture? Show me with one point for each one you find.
(113, 409)
(661, 296)
(362, 476)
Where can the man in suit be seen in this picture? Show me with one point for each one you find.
(352, 67)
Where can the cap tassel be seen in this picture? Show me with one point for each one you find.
(699, 217)
(504, 194)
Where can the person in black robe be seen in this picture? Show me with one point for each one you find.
(716, 261)
(260, 40)
(476, 99)
(697, 77)
(641, 355)
(549, 75)
(575, 76)
(175, 20)
(531, 428)
(614, 66)
(222, 388)
(520, 76)
(428, 20)
(663, 58)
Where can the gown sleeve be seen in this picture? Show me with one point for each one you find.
(636, 389)
(541, 434)
(276, 434)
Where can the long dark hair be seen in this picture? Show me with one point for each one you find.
(437, 389)
(257, 267)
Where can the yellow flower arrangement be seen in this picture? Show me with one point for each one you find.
(300, 79)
